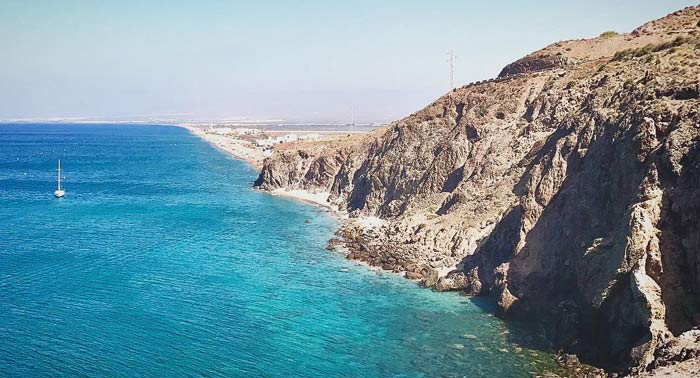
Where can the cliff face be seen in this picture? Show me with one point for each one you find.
(570, 190)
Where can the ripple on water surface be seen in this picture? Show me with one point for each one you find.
(161, 261)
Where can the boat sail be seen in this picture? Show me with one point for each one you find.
(59, 192)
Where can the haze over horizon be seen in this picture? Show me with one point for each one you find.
(312, 61)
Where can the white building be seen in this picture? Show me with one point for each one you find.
(287, 138)
(222, 130)
(269, 142)
(309, 137)
(247, 131)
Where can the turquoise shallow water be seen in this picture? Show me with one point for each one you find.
(161, 261)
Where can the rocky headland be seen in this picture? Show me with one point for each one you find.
(568, 188)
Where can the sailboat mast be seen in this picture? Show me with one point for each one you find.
(59, 174)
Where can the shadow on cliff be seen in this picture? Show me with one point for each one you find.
(679, 242)
(525, 332)
(554, 277)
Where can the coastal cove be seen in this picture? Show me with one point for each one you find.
(253, 157)
(162, 260)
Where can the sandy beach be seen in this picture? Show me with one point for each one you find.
(237, 148)
(318, 199)
(246, 151)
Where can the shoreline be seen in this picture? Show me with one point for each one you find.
(319, 199)
(315, 199)
(245, 150)
(367, 223)
(236, 149)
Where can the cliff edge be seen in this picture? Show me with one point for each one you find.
(568, 188)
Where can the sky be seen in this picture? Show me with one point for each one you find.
(320, 61)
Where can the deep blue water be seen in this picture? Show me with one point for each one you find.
(161, 261)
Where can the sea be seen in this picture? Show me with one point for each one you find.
(163, 261)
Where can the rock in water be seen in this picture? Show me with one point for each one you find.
(430, 277)
(454, 280)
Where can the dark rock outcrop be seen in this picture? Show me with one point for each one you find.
(534, 63)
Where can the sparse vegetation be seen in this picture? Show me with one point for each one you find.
(648, 49)
(608, 34)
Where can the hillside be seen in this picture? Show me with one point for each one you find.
(568, 188)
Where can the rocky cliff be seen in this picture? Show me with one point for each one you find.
(569, 189)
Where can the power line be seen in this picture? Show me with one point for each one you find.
(451, 61)
(352, 124)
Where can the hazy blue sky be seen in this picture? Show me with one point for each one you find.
(288, 59)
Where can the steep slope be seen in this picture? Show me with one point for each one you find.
(568, 188)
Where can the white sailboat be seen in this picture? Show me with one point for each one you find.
(59, 192)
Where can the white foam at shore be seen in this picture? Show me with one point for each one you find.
(241, 151)
(320, 198)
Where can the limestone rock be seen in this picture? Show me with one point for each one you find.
(454, 280)
(430, 277)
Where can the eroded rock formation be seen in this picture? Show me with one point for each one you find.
(570, 191)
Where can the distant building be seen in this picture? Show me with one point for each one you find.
(239, 131)
(246, 131)
(269, 142)
(222, 130)
(309, 137)
(287, 138)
